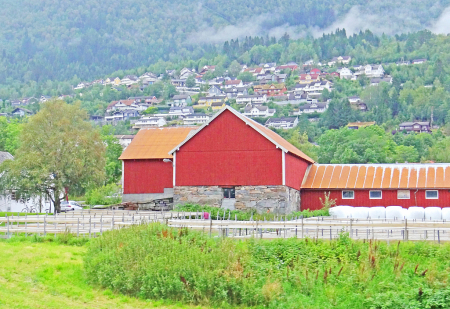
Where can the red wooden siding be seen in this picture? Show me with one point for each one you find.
(147, 176)
(310, 199)
(295, 171)
(228, 152)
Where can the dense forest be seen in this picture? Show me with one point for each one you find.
(59, 40)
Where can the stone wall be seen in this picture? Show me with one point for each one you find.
(275, 199)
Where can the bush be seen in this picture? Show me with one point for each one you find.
(106, 195)
(240, 215)
(157, 262)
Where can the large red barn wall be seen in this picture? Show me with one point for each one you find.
(228, 152)
(295, 171)
(147, 176)
(310, 199)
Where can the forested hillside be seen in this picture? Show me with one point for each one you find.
(56, 40)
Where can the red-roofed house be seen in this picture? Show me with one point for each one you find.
(121, 104)
(233, 83)
(291, 67)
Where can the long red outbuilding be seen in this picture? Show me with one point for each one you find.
(234, 162)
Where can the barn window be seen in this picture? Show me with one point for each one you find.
(375, 194)
(403, 194)
(431, 194)
(348, 195)
(229, 193)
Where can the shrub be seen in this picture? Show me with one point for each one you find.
(157, 262)
(246, 215)
(106, 195)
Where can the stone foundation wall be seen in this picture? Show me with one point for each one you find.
(275, 199)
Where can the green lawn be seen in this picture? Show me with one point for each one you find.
(49, 275)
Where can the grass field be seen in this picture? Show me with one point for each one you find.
(49, 275)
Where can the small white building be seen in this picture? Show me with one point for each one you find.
(251, 110)
(254, 99)
(196, 118)
(282, 123)
(150, 121)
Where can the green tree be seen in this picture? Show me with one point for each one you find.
(9, 135)
(113, 166)
(246, 77)
(190, 81)
(440, 152)
(59, 150)
(150, 110)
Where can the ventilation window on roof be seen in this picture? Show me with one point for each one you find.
(431, 194)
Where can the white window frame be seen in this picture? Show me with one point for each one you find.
(432, 198)
(348, 198)
(376, 198)
(404, 191)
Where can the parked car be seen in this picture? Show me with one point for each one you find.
(70, 206)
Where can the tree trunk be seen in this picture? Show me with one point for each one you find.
(57, 205)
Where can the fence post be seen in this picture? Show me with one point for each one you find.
(302, 226)
(101, 224)
(210, 225)
(406, 229)
(351, 228)
(7, 226)
(45, 225)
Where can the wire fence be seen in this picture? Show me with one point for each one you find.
(92, 223)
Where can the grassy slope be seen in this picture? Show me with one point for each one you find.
(48, 275)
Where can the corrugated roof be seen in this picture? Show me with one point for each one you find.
(378, 176)
(266, 132)
(155, 143)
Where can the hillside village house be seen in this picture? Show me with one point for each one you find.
(251, 110)
(180, 111)
(257, 169)
(340, 59)
(360, 124)
(214, 90)
(234, 92)
(419, 61)
(417, 127)
(124, 140)
(148, 78)
(270, 90)
(120, 115)
(254, 99)
(150, 121)
(215, 106)
(308, 78)
(122, 104)
(181, 100)
(282, 123)
(370, 70)
(21, 112)
(129, 80)
(345, 73)
(377, 81)
(207, 101)
(233, 83)
(310, 108)
(195, 118)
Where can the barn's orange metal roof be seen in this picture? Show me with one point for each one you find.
(155, 143)
(378, 176)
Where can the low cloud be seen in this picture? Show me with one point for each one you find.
(442, 24)
(393, 20)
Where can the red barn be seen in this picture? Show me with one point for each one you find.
(146, 176)
(233, 161)
(378, 185)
